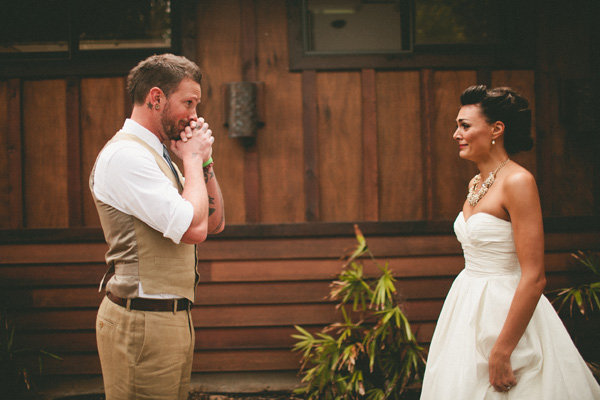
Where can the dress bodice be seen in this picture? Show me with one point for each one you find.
(488, 244)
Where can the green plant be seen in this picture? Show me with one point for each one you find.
(579, 306)
(16, 374)
(586, 295)
(372, 354)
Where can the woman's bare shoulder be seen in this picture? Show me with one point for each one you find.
(519, 185)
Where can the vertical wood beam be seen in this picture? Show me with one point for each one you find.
(248, 43)
(74, 166)
(427, 97)
(484, 77)
(594, 65)
(188, 29)
(311, 145)
(15, 155)
(127, 102)
(370, 164)
(249, 73)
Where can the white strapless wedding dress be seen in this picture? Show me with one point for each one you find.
(546, 363)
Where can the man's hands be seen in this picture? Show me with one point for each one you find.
(196, 142)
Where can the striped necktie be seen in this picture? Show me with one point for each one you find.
(166, 156)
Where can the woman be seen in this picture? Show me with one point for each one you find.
(497, 336)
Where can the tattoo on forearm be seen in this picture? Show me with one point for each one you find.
(222, 221)
(211, 201)
(208, 175)
(219, 226)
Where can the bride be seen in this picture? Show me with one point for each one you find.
(497, 336)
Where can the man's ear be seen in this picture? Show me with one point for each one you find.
(154, 96)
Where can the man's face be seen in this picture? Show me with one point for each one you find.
(180, 108)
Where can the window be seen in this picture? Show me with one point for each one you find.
(346, 26)
(333, 34)
(69, 33)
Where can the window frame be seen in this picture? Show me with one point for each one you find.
(95, 62)
(512, 55)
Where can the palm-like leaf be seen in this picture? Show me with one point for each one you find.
(354, 359)
(584, 298)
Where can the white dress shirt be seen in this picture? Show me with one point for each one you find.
(128, 179)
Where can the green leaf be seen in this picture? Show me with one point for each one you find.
(350, 360)
(303, 331)
(578, 299)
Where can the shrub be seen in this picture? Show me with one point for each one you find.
(372, 354)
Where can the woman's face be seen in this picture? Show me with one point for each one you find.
(473, 133)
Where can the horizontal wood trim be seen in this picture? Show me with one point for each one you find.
(246, 360)
(319, 269)
(65, 275)
(255, 249)
(283, 249)
(240, 294)
(54, 274)
(222, 316)
(223, 294)
(296, 230)
(243, 294)
(257, 338)
(204, 361)
(52, 253)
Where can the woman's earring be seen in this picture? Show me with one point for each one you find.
(493, 140)
(157, 106)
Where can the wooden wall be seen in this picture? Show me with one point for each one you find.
(337, 146)
(251, 294)
(403, 167)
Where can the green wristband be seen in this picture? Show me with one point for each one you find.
(207, 163)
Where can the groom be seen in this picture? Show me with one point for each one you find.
(152, 220)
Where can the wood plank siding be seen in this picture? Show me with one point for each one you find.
(362, 145)
(251, 293)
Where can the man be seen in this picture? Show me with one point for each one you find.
(152, 219)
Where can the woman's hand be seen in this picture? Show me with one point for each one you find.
(502, 377)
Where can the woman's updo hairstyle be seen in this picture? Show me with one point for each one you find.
(506, 105)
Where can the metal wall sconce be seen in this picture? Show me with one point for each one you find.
(244, 110)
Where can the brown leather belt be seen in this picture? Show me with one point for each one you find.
(143, 304)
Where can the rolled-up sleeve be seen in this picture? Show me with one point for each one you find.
(128, 178)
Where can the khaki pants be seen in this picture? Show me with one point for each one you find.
(144, 354)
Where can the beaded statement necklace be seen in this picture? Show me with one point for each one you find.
(474, 196)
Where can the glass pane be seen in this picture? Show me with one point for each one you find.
(118, 24)
(32, 26)
(354, 26)
(459, 21)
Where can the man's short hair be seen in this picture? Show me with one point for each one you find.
(165, 71)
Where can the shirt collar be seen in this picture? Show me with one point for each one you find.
(132, 127)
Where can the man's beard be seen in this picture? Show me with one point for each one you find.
(171, 128)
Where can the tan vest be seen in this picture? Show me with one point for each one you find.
(139, 253)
